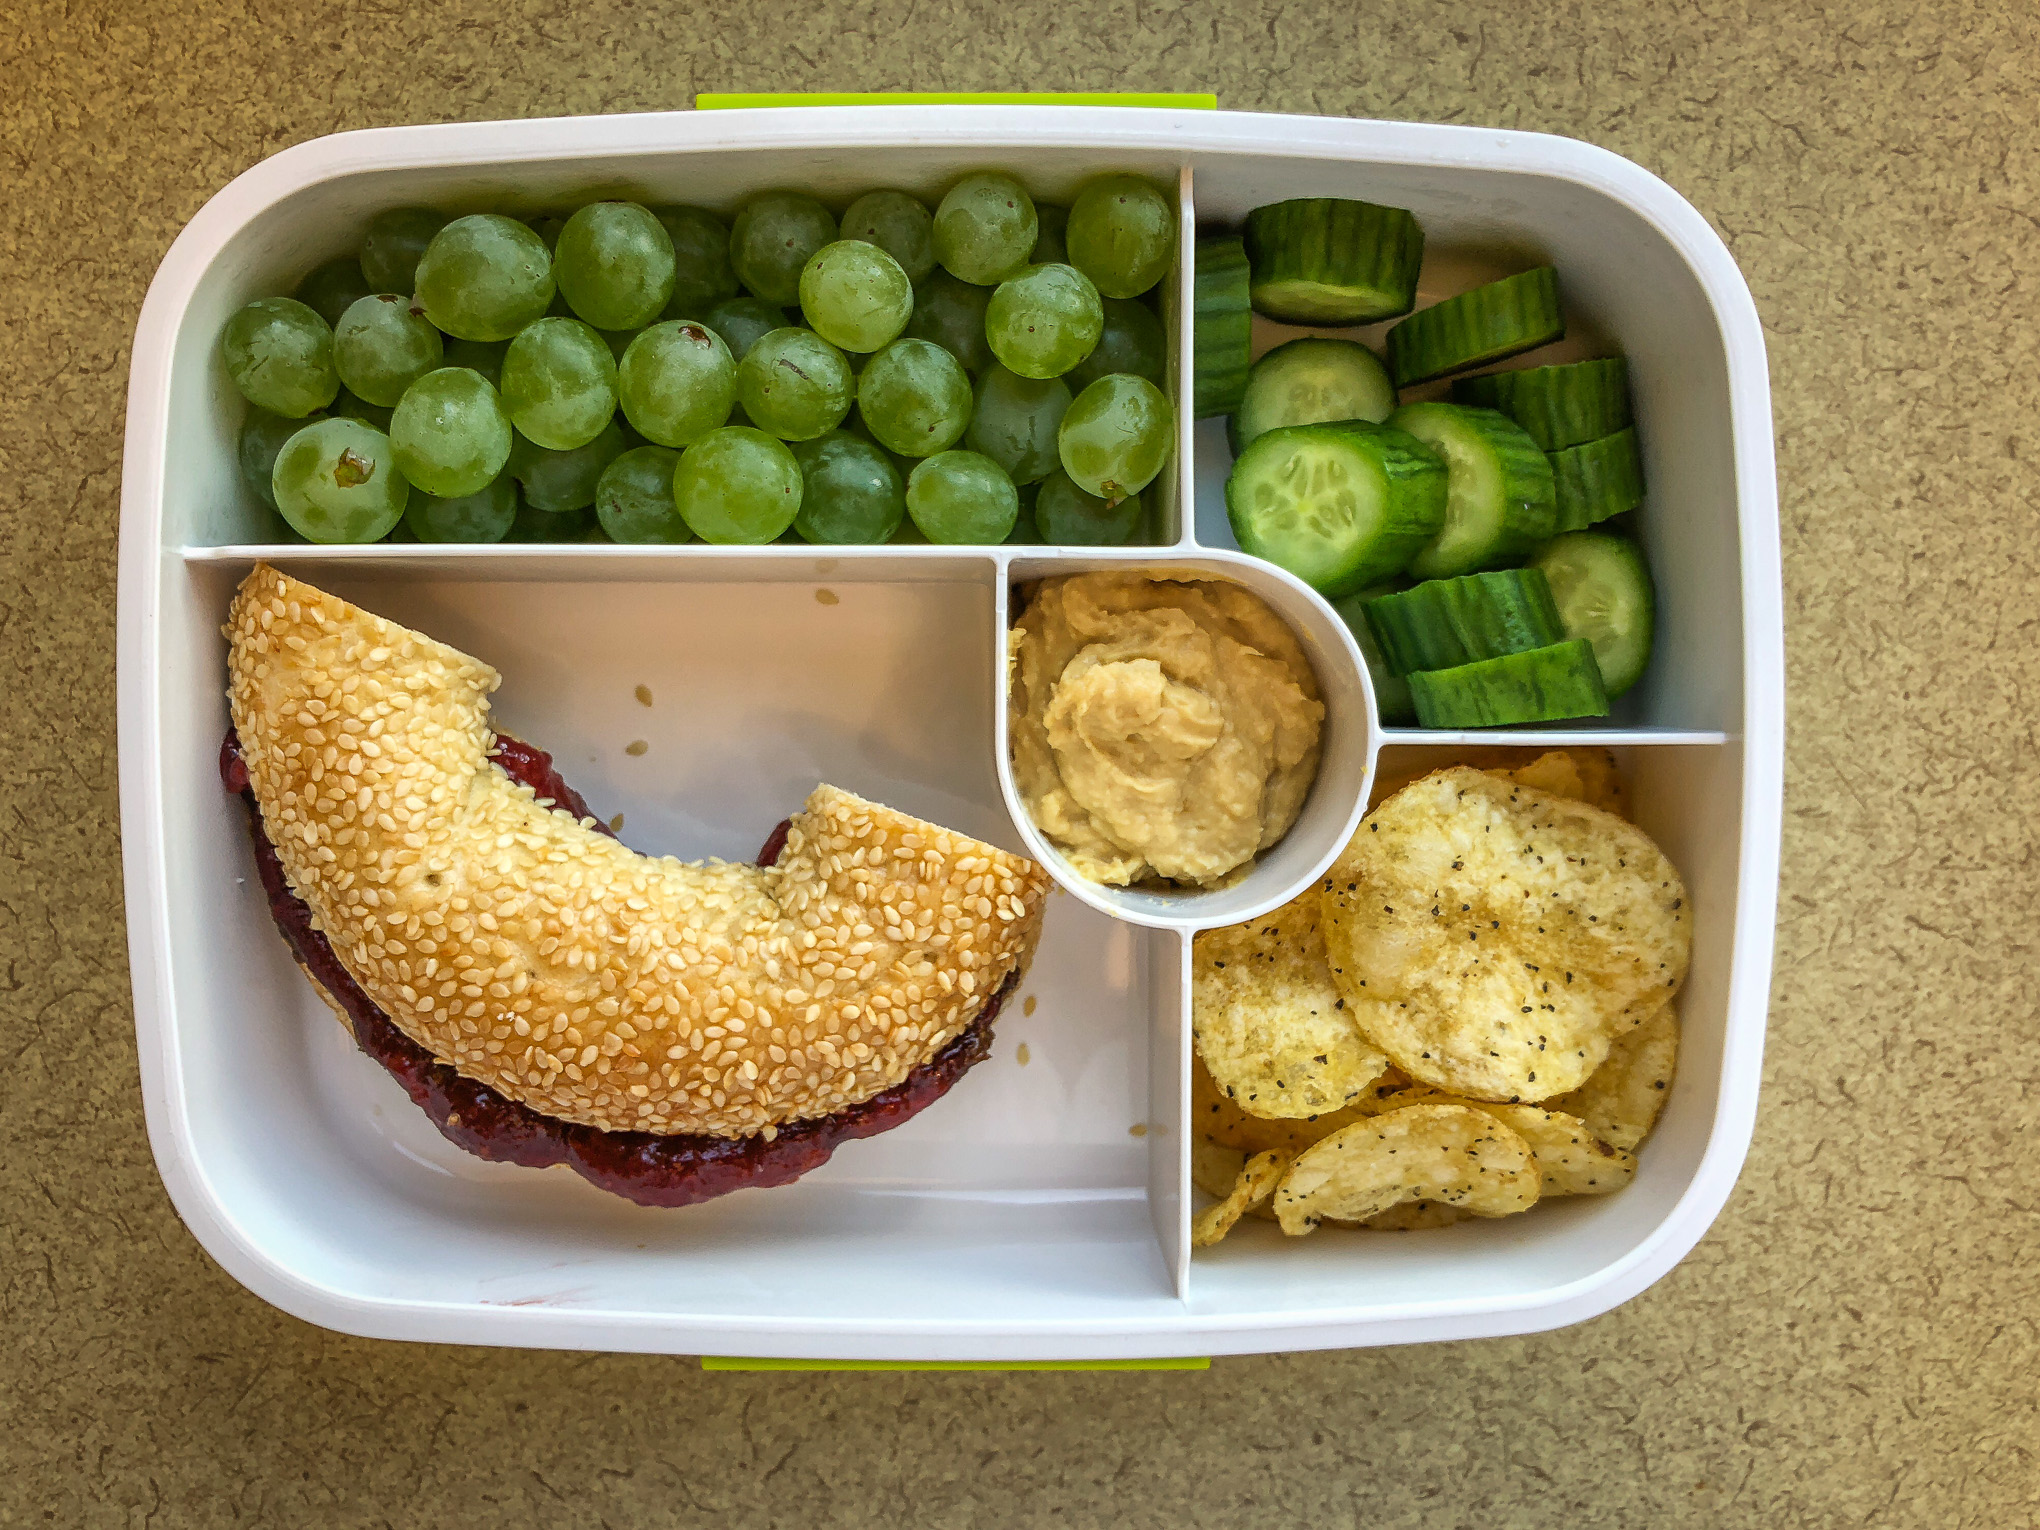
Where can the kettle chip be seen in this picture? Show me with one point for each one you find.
(1451, 1154)
(1494, 939)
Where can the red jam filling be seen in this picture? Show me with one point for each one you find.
(650, 1168)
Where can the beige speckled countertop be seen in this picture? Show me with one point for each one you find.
(1857, 1342)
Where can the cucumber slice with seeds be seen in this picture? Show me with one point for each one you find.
(1602, 589)
(1391, 690)
(1324, 260)
(1500, 503)
(1340, 506)
(1517, 313)
(1311, 381)
(1596, 480)
(1446, 622)
(1560, 406)
(1537, 685)
(1222, 325)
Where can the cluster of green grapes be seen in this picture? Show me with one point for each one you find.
(983, 373)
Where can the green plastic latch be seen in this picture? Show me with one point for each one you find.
(1167, 1363)
(1188, 100)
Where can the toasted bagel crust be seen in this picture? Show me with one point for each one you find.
(589, 982)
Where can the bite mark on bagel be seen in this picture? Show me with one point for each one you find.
(538, 956)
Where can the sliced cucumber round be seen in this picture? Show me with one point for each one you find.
(1340, 506)
(1391, 690)
(1536, 685)
(1311, 381)
(1499, 505)
(1560, 406)
(1517, 313)
(1323, 260)
(1602, 588)
(1597, 480)
(1446, 622)
(1222, 325)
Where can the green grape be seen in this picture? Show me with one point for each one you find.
(985, 228)
(1133, 341)
(850, 491)
(353, 407)
(952, 314)
(702, 275)
(395, 242)
(555, 482)
(484, 277)
(1024, 531)
(1116, 436)
(559, 383)
(483, 516)
(773, 237)
(1049, 248)
(1069, 517)
(900, 225)
(1122, 234)
(634, 498)
(615, 265)
(450, 433)
(336, 481)
(280, 355)
(915, 398)
(795, 384)
(331, 289)
(483, 356)
(737, 485)
(677, 382)
(547, 226)
(1044, 321)
(382, 345)
(262, 437)
(962, 497)
(536, 525)
(743, 321)
(855, 295)
(1014, 422)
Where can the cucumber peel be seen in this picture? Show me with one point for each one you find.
(1517, 313)
(1328, 260)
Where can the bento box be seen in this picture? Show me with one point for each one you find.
(1043, 1210)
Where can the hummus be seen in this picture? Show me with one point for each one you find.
(1163, 727)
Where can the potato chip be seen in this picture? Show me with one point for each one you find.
(1494, 939)
(1214, 1167)
(1621, 1099)
(1445, 1153)
(1582, 775)
(1218, 1120)
(1253, 1185)
(1412, 1216)
(1592, 777)
(1555, 772)
(1603, 784)
(1571, 1159)
(1269, 1021)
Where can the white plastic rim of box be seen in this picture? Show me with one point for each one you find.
(1041, 1210)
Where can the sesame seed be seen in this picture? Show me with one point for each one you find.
(473, 913)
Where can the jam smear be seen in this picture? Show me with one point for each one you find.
(650, 1168)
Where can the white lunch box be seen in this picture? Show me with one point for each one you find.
(1041, 1210)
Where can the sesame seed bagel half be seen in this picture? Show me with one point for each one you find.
(548, 961)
